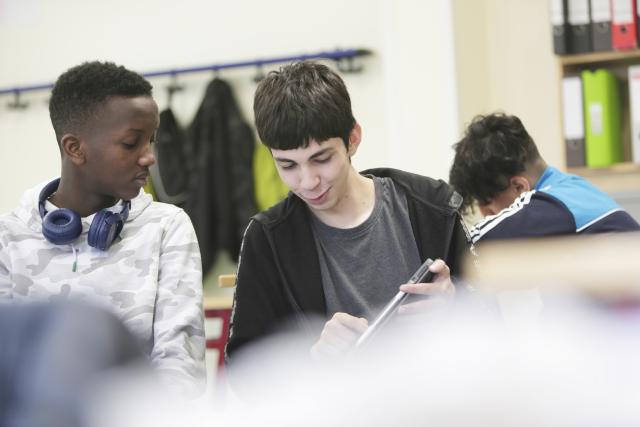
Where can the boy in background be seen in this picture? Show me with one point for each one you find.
(498, 166)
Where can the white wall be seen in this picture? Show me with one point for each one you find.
(472, 61)
(505, 62)
(420, 82)
(405, 99)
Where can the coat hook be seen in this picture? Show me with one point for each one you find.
(17, 104)
(259, 73)
(348, 65)
(173, 87)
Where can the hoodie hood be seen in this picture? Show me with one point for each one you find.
(27, 210)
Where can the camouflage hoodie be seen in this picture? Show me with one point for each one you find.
(150, 277)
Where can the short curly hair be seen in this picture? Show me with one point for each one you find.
(300, 102)
(494, 148)
(81, 89)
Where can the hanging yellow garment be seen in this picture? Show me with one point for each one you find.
(269, 188)
(149, 189)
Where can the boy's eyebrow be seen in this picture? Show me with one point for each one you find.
(281, 159)
(136, 130)
(313, 156)
(321, 152)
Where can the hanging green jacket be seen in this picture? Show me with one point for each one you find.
(268, 186)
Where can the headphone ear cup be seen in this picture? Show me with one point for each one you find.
(105, 227)
(61, 226)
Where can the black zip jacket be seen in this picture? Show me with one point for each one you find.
(279, 277)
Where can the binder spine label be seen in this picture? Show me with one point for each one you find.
(600, 11)
(622, 12)
(572, 108)
(557, 12)
(595, 112)
(578, 12)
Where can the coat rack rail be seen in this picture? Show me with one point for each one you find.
(343, 57)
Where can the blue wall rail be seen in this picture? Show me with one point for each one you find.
(343, 57)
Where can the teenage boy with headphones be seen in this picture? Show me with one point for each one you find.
(341, 244)
(94, 235)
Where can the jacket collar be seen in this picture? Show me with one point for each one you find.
(434, 193)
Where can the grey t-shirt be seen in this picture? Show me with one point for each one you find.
(363, 266)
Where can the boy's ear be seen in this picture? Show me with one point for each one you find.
(73, 148)
(355, 136)
(520, 184)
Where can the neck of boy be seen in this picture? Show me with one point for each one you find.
(535, 171)
(354, 206)
(77, 198)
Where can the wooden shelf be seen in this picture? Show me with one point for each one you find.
(619, 168)
(600, 57)
(621, 177)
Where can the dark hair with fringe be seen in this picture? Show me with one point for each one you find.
(301, 102)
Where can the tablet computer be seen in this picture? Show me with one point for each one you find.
(422, 275)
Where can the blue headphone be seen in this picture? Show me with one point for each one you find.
(63, 226)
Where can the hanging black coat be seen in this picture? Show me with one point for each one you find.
(220, 151)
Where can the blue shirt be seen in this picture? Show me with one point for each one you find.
(559, 204)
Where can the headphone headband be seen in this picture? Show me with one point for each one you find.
(47, 192)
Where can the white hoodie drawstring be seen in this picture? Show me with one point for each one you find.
(75, 258)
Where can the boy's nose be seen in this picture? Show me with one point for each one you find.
(148, 157)
(309, 180)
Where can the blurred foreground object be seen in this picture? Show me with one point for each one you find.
(52, 356)
(606, 265)
(574, 365)
(572, 361)
(561, 349)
